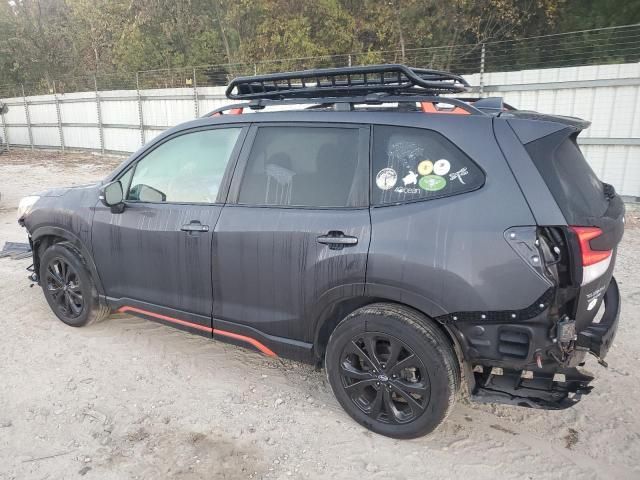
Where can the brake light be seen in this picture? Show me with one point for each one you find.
(590, 256)
(595, 263)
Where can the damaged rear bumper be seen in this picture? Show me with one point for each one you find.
(550, 384)
(598, 337)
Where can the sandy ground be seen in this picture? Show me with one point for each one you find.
(132, 399)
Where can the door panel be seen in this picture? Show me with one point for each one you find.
(143, 254)
(295, 232)
(157, 251)
(271, 273)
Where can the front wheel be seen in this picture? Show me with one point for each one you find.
(68, 286)
(392, 370)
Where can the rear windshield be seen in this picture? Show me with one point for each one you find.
(574, 185)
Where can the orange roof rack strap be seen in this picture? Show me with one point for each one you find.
(430, 107)
(233, 111)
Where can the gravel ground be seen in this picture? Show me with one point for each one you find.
(129, 398)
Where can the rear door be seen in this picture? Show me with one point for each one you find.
(295, 232)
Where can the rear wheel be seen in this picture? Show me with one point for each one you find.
(392, 370)
(68, 286)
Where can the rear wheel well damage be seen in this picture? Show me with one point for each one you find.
(339, 311)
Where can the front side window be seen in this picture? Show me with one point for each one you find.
(185, 169)
(304, 166)
(412, 164)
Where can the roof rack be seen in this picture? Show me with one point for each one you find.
(392, 79)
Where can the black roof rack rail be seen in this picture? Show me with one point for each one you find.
(393, 79)
(339, 103)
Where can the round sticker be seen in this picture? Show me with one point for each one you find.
(425, 167)
(386, 179)
(441, 167)
(432, 183)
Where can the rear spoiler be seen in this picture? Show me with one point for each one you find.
(530, 126)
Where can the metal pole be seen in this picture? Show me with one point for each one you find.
(28, 117)
(255, 69)
(196, 107)
(140, 109)
(4, 129)
(99, 113)
(60, 132)
(482, 57)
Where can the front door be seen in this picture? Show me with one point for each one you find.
(154, 258)
(294, 234)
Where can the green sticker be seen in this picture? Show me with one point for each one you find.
(432, 183)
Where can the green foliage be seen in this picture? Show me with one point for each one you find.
(46, 40)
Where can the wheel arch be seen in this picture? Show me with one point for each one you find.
(47, 236)
(337, 311)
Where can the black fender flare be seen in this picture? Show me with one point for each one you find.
(371, 293)
(46, 231)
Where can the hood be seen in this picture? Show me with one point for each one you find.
(58, 192)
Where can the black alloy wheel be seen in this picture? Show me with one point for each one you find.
(384, 378)
(62, 283)
(68, 286)
(393, 370)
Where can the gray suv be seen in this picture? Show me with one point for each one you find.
(415, 244)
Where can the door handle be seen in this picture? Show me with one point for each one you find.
(194, 226)
(337, 240)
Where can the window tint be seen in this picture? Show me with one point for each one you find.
(576, 188)
(415, 164)
(304, 166)
(188, 168)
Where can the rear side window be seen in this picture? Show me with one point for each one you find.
(305, 167)
(576, 188)
(412, 164)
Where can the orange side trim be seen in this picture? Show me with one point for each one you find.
(166, 318)
(430, 107)
(264, 349)
(252, 341)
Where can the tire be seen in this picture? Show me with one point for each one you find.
(68, 286)
(406, 398)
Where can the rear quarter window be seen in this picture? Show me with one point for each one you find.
(412, 164)
(574, 185)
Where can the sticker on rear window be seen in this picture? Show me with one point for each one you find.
(458, 175)
(425, 167)
(441, 167)
(410, 178)
(432, 183)
(386, 179)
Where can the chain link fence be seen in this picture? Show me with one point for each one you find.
(119, 112)
(588, 47)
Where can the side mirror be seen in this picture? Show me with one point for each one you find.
(112, 196)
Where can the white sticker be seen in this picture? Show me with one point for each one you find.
(592, 303)
(459, 174)
(441, 167)
(386, 179)
(410, 178)
(407, 190)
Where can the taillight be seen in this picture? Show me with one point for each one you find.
(594, 262)
(590, 256)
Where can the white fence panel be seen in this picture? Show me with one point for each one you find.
(607, 95)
